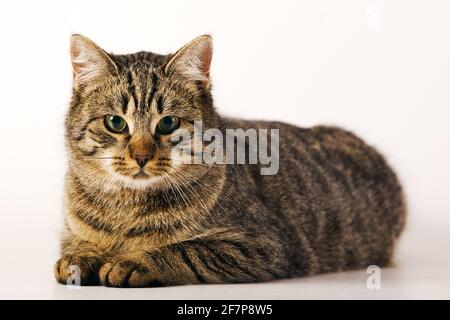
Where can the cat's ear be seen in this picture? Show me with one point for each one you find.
(193, 61)
(89, 61)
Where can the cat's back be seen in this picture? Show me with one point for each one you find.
(323, 145)
(324, 152)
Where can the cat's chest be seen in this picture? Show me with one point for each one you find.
(129, 229)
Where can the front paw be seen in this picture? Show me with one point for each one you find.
(72, 269)
(126, 273)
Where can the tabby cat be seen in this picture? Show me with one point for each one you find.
(135, 217)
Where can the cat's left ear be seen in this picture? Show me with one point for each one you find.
(89, 61)
(193, 61)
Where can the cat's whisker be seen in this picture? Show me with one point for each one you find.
(104, 158)
(202, 185)
(193, 192)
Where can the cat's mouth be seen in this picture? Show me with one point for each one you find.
(140, 175)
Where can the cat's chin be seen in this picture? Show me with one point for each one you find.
(138, 181)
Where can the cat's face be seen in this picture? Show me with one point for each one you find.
(126, 109)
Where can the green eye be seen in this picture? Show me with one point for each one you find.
(115, 124)
(168, 124)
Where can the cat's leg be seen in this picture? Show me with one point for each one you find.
(193, 262)
(78, 259)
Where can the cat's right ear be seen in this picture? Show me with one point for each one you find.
(89, 61)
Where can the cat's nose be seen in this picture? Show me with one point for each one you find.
(142, 149)
(141, 159)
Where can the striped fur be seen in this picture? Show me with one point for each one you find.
(334, 205)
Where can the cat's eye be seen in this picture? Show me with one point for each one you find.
(168, 124)
(115, 124)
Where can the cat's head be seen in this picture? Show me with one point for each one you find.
(125, 109)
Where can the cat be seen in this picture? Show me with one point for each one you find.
(136, 217)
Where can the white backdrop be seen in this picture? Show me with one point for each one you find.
(379, 68)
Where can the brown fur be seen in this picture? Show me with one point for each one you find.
(334, 205)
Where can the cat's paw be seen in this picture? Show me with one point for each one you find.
(78, 270)
(126, 273)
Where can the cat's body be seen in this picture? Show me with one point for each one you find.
(333, 205)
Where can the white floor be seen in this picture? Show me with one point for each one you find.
(422, 271)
